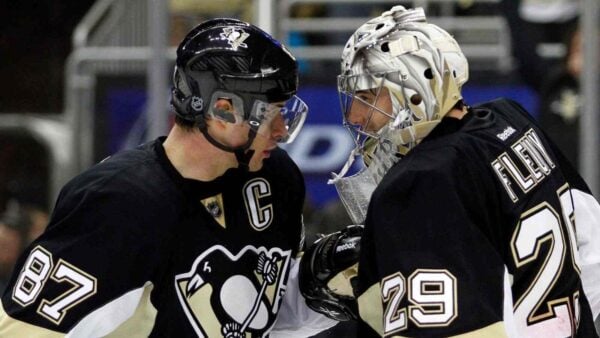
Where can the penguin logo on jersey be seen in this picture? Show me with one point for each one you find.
(234, 295)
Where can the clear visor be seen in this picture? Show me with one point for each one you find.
(282, 120)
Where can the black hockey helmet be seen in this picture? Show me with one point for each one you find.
(231, 56)
(239, 61)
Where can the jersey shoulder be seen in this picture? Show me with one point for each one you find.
(515, 115)
(135, 172)
(129, 185)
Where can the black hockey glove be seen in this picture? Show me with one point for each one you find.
(328, 270)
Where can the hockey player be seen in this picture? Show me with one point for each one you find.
(192, 235)
(477, 227)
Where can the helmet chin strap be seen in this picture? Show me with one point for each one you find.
(242, 153)
(243, 157)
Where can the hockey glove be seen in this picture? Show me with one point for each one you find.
(328, 270)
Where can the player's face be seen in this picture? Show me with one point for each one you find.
(370, 110)
(265, 142)
(270, 132)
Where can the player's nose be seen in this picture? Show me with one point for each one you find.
(356, 114)
(278, 128)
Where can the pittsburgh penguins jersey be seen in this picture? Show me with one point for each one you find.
(482, 230)
(134, 249)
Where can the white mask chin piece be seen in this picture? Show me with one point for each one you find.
(355, 191)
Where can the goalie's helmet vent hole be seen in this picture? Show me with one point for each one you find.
(416, 99)
(428, 74)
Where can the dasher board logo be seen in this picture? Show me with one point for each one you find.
(234, 295)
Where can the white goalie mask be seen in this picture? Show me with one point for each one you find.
(422, 70)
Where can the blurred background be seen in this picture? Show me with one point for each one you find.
(80, 80)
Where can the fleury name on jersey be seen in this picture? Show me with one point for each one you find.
(531, 154)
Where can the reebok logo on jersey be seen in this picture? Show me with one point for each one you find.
(346, 246)
(506, 133)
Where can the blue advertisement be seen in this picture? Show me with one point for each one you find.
(321, 148)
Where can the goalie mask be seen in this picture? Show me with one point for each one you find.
(233, 60)
(413, 68)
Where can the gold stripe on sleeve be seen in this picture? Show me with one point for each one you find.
(370, 308)
(10, 327)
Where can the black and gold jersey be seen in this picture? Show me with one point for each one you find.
(482, 230)
(134, 249)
